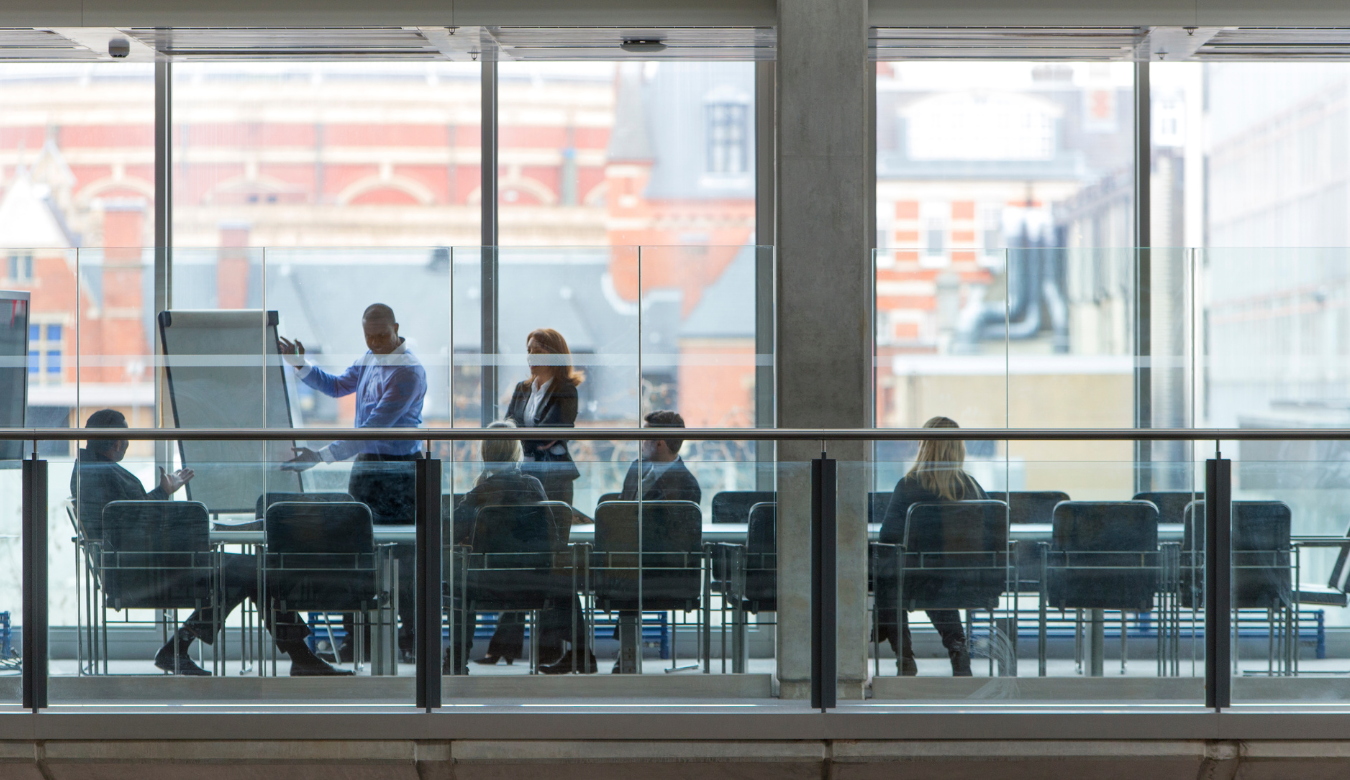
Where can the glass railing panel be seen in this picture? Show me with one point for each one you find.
(1036, 578)
(254, 589)
(1089, 346)
(1273, 352)
(11, 582)
(665, 587)
(940, 343)
(1289, 548)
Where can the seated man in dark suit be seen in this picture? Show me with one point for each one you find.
(98, 480)
(664, 476)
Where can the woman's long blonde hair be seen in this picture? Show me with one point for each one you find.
(498, 454)
(939, 465)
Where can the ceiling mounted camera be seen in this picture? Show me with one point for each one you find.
(642, 45)
(119, 48)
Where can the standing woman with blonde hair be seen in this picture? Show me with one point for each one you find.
(938, 475)
(548, 399)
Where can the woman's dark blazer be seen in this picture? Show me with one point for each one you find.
(558, 410)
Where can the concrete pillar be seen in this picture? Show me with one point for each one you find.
(824, 316)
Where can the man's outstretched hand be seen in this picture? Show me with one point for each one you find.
(305, 458)
(292, 352)
(170, 483)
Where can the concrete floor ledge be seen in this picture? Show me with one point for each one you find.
(672, 760)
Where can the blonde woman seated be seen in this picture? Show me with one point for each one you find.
(502, 483)
(937, 476)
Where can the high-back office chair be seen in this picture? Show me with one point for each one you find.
(321, 557)
(733, 506)
(1026, 507)
(1103, 555)
(649, 556)
(1262, 573)
(952, 555)
(157, 555)
(512, 565)
(608, 497)
(761, 559)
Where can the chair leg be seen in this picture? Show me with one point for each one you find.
(1123, 653)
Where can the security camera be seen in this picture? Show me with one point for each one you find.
(119, 47)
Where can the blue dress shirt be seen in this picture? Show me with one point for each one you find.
(389, 391)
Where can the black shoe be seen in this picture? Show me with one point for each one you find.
(448, 666)
(564, 665)
(908, 668)
(182, 664)
(346, 653)
(304, 663)
(615, 670)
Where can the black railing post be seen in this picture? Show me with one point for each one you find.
(428, 584)
(1218, 583)
(34, 530)
(824, 625)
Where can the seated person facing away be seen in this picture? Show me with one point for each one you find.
(98, 480)
(502, 483)
(937, 476)
(664, 476)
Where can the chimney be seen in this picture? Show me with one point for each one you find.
(232, 266)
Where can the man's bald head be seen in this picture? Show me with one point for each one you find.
(381, 329)
(378, 312)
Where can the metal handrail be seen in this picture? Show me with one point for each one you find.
(687, 434)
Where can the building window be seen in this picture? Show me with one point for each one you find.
(935, 233)
(20, 267)
(728, 138)
(45, 352)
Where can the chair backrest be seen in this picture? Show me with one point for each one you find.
(608, 497)
(1030, 506)
(512, 537)
(1171, 503)
(957, 527)
(1340, 572)
(1261, 543)
(956, 556)
(156, 554)
(662, 526)
(307, 527)
(1105, 526)
(762, 538)
(561, 522)
(270, 498)
(733, 506)
(320, 555)
(156, 527)
(1104, 555)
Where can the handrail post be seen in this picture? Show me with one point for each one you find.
(824, 669)
(1218, 583)
(428, 584)
(34, 530)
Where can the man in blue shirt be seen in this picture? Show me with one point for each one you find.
(390, 386)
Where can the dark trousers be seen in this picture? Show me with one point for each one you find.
(555, 628)
(388, 485)
(946, 621)
(239, 581)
